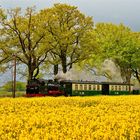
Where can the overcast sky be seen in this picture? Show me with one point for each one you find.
(115, 11)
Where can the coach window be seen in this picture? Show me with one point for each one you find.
(98, 87)
(112, 87)
(76, 87)
(116, 87)
(123, 88)
(127, 88)
(85, 87)
(94, 87)
(119, 88)
(89, 87)
(81, 87)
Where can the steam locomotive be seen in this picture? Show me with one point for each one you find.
(37, 87)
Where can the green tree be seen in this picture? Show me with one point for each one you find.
(120, 45)
(135, 60)
(23, 35)
(20, 86)
(69, 34)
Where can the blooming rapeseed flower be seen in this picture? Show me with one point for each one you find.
(78, 118)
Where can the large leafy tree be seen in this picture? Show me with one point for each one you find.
(23, 35)
(69, 33)
(133, 55)
(120, 45)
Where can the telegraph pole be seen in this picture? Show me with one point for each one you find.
(14, 76)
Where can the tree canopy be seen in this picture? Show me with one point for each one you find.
(63, 36)
(68, 34)
(23, 36)
(121, 45)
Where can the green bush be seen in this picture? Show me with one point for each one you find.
(20, 86)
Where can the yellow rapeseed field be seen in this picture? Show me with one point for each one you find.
(70, 118)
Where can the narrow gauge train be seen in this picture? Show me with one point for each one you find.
(89, 88)
(76, 88)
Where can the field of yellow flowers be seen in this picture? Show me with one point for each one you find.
(67, 118)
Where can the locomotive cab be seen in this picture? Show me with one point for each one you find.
(32, 87)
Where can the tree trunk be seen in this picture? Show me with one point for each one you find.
(64, 62)
(126, 74)
(55, 69)
(137, 76)
(30, 72)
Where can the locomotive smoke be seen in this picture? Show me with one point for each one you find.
(112, 70)
(74, 74)
(84, 75)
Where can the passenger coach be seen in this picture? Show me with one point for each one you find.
(89, 88)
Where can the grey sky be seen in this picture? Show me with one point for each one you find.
(115, 11)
